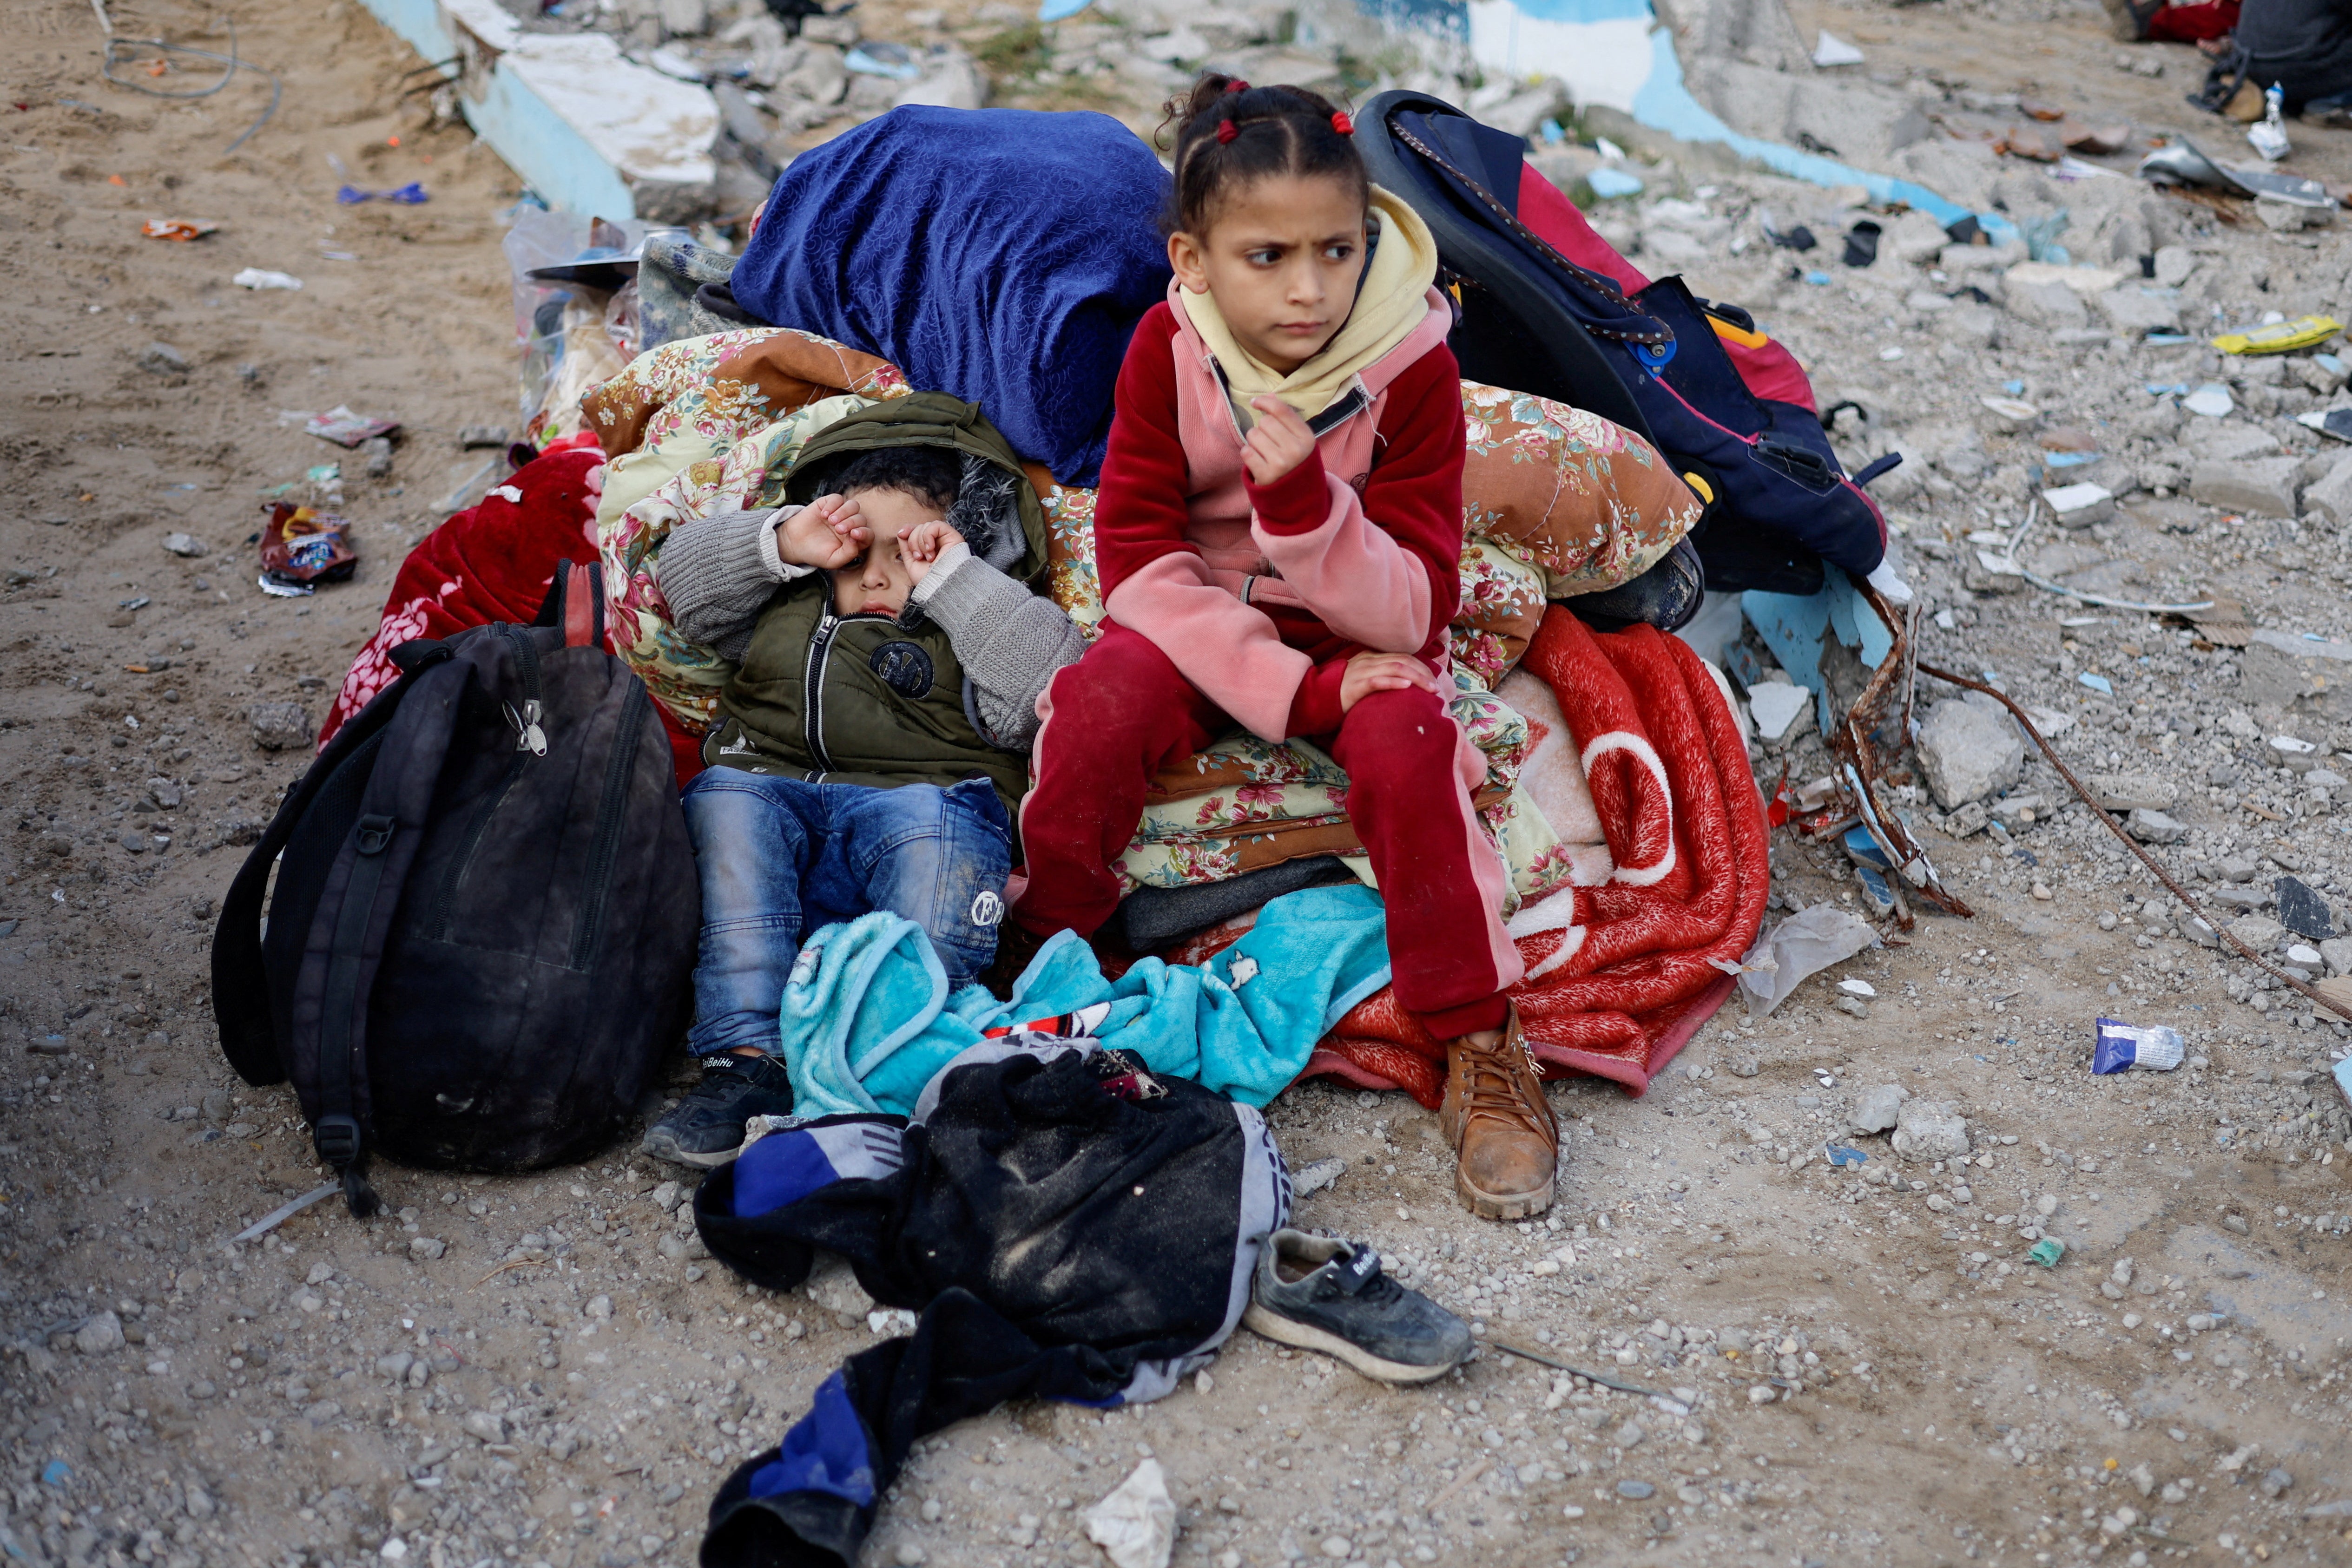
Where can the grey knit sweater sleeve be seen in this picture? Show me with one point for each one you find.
(719, 572)
(1009, 641)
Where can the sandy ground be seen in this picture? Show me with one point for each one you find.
(1847, 1373)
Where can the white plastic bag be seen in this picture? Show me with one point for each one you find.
(1136, 1524)
(1801, 945)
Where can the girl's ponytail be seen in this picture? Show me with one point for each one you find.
(1229, 135)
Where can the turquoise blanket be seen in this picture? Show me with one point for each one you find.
(868, 1018)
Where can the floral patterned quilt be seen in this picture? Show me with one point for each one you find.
(1557, 502)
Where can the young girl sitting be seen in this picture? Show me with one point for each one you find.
(1278, 531)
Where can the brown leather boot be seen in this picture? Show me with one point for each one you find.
(1505, 1140)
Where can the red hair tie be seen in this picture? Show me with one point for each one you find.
(1227, 132)
(1341, 123)
(1238, 85)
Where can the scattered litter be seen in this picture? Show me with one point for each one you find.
(1857, 988)
(1136, 1524)
(670, 63)
(407, 196)
(2097, 683)
(2047, 1251)
(1611, 183)
(344, 428)
(324, 474)
(1839, 1155)
(2282, 338)
(184, 544)
(2180, 164)
(301, 548)
(140, 602)
(1829, 50)
(1799, 947)
(56, 1473)
(2121, 1046)
(181, 229)
(258, 278)
(286, 1211)
(2213, 400)
(2335, 422)
(2268, 134)
(879, 59)
(2014, 413)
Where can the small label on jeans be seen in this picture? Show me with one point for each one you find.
(987, 909)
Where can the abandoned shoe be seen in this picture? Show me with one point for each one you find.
(1332, 1297)
(1505, 1141)
(706, 1129)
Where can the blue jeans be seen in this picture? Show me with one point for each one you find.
(780, 857)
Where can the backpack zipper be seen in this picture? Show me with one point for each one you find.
(610, 808)
(526, 654)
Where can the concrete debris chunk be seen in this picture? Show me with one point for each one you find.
(2155, 828)
(1925, 1132)
(2259, 932)
(2132, 792)
(2135, 312)
(279, 726)
(100, 1333)
(1878, 1109)
(1968, 752)
(2265, 486)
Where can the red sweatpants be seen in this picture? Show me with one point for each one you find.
(1115, 718)
(2193, 23)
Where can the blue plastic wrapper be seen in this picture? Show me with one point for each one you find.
(2121, 1046)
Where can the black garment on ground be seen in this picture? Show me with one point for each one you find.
(1067, 1225)
(2304, 46)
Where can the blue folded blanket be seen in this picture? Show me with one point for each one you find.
(1004, 256)
(868, 1019)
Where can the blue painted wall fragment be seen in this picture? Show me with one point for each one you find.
(1792, 626)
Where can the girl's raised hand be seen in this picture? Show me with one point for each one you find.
(1369, 672)
(1278, 443)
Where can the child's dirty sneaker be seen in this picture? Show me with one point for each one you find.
(706, 1129)
(1324, 1295)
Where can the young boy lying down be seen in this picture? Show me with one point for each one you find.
(871, 748)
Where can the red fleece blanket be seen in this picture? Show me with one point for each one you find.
(1621, 974)
(490, 562)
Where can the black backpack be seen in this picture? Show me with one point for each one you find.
(485, 913)
(1778, 504)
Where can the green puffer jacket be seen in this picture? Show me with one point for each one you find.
(867, 699)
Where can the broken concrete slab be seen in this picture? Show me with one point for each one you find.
(2137, 312)
(588, 129)
(2044, 301)
(2265, 486)
(2331, 498)
(2228, 440)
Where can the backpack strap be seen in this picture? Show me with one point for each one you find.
(240, 988)
(575, 601)
(346, 941)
